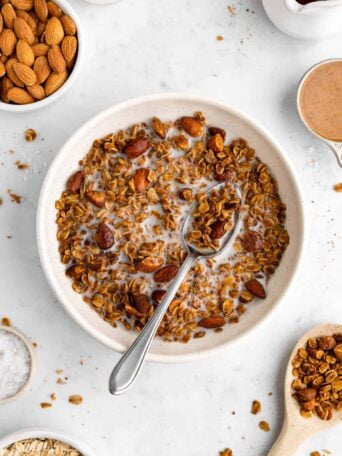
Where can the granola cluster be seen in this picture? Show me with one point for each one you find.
(317, 369)
(119, 218)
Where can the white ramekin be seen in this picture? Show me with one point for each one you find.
(32, 364)
(41, 433)
(67, 9)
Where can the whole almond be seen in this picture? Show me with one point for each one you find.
(19, 96)
(1, 22)
(54, 32)
(9, 15)
(40, 49)
(23, 30)
(141, 181)
(41, 10)
(167, 273)
(212, 322)
(97, 198)
(8, 40)
(136, 147)
(36, 91)
(6, 84)
(54, 82)
(25, 5)
(56, 59)
(25, 73)
(11, 73)
(68, 25)
(256, 288)
(2, 70)
(54, 10)
(149, 264)
(104, 236)
(24, 53)
(42, 69)
(192, 126)
(69, 47)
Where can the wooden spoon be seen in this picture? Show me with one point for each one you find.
(296, 429)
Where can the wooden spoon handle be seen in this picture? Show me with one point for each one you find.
(290, 438)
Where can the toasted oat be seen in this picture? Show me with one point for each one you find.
(30, 134)
(14, 197)
(264, 426)
(226, 452)
(338, 187)
(256, 407)
(59, 371)
(39, 447)
(53, 396)
(21, 165)
(219, 38)
(75, 399)
(5, 321)
(45, 405)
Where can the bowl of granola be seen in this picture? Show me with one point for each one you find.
(111, 208)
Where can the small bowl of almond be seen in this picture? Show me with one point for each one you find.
(41, 49)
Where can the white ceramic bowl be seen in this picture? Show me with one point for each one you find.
(32, 364)
(41, 433)
(65, 5)
(168, 106)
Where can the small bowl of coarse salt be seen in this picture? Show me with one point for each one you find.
(16, 364)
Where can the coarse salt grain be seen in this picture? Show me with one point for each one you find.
(15, 364)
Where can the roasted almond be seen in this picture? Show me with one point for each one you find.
(1, 23)
(167, 273)
(69, 25)
(40, 49)
(159, 127)
(25, 73)
(54, 10)
(149, 264)
(141, 179)
(24, 53)
(215, 143)
(136, 147)
(104, 236)
(8, 40)
(19, 96)
(192, 126)
(212, 322)
(96, 198)
(5, 85)
(69, 47)
(11, 73)
(36, 91)
(42, 69)
(256, 288)
(54, 32)
(41, 9)
(23, 30)
(56, 59)
(41, 26)
(29, 19)
(54, 82)
(8, 14)
(25, 5)
(75, 182)
(2, 70)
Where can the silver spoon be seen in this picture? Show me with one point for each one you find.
(127, 369)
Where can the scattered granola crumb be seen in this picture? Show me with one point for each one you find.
(5, 321)
(270, 394)
(219, 37)
(45, 405)
(59, 371)
(60, 381)
(75, 399)
(256, 407)
(21, 165)
(34, 344)
(226, 452)
(30, 135)
(81, 362)
(327, 452)
(263, 425)
(14, 197)
(231, 10)
(53, 396)
(338, 187)
(315, 453)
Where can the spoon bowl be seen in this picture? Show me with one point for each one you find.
(296, 429)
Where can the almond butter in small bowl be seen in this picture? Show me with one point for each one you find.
(40, 52)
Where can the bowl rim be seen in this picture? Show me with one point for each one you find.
(114, 345)
(41, 433)
(16, 108)
(28, 345)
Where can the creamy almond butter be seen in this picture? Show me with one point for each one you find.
(320, 100)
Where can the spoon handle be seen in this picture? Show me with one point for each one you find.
(290, 438)
(127, 369)
(337, 149)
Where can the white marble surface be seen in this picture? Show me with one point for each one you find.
(138, 47)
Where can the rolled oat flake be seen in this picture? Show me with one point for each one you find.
(15, 364)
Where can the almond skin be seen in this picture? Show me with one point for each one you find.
(8, 41)
(36, 91)
(54, 82)
(42, 69)
(75, 182)
(104, 236)
(69, 48)
(29, 19)
(167, 273)
(54, 32)
(192, 126)
(54, 10)
(56, 59)
(2, 70)
(212, 322)
(41, 10)
(24, 53)
(1, 23)
(19, 96)
(40, 49)
(25, 73)
(11, 73)
(69, 25)
(8, 14)
(256, 288)
(23, 30)
(136, 147)
(149, 264)
(6, 84)
(25, 5)
(140, 179)
(96, 198)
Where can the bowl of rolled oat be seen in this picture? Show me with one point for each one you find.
(41, 442)
(111, 208)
